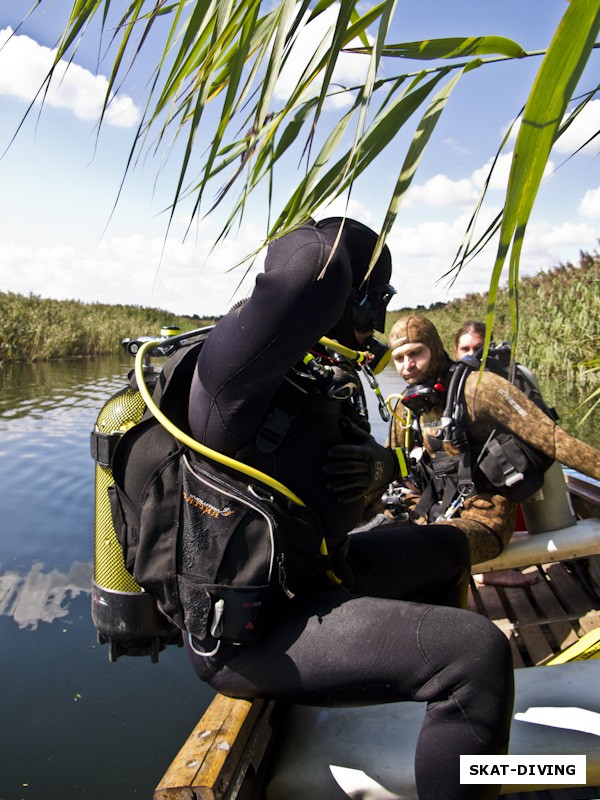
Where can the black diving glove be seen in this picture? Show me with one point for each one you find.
(359, 466)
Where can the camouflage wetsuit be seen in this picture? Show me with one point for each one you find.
(493, 403)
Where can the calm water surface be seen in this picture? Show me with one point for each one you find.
(72, 724)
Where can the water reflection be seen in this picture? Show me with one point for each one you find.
(42, 596)
(73, 725)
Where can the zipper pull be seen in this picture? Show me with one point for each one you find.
(283, 576)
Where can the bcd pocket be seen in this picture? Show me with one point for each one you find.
(514, 468)
(230, 559)
(216, 550)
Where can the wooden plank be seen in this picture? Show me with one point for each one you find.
(582, 572)
(594, 562)
(543, 619)
(248, 780)
(538, 647)
(206, 763)
(568, 589)
(485, 600)
(561, 627)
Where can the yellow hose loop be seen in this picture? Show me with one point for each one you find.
(183, 437)
(207, 452)
(354, 355)
(405, 421)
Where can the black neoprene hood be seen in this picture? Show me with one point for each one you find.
(358, 242)
(368, 300)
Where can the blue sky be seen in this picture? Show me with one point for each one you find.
(59, 181)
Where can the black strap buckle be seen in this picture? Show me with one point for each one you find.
(103, 446)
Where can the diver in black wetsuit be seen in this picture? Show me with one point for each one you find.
(393, 632)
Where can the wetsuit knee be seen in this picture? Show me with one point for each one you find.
(475, 668)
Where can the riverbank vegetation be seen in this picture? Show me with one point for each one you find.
(559, 319)
(36, 329)
(559, 322)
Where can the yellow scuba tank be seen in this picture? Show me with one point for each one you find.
(126, 618)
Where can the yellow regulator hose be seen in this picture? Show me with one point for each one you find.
(207, 452)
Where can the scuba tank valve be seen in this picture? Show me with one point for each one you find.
(363, 361)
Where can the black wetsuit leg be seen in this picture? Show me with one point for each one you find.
(334, 648)
(427, 564)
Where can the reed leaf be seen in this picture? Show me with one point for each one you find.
(233, 51)
(552, 90)
(456, 47)
(415, 152)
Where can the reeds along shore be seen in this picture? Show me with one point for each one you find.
(36, 329)
(559, 318)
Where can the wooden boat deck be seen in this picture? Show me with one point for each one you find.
(547, 617)
(226, 756)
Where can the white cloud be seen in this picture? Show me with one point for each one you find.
(186, 278)
(423, 253)
(548, 245)
(350, 69)
(24, 64)
(442, 191)
(354, 209)
(499, 179)
(586, 124)
(590, 204)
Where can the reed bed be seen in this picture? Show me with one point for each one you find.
(559, 320)
(37, 329)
